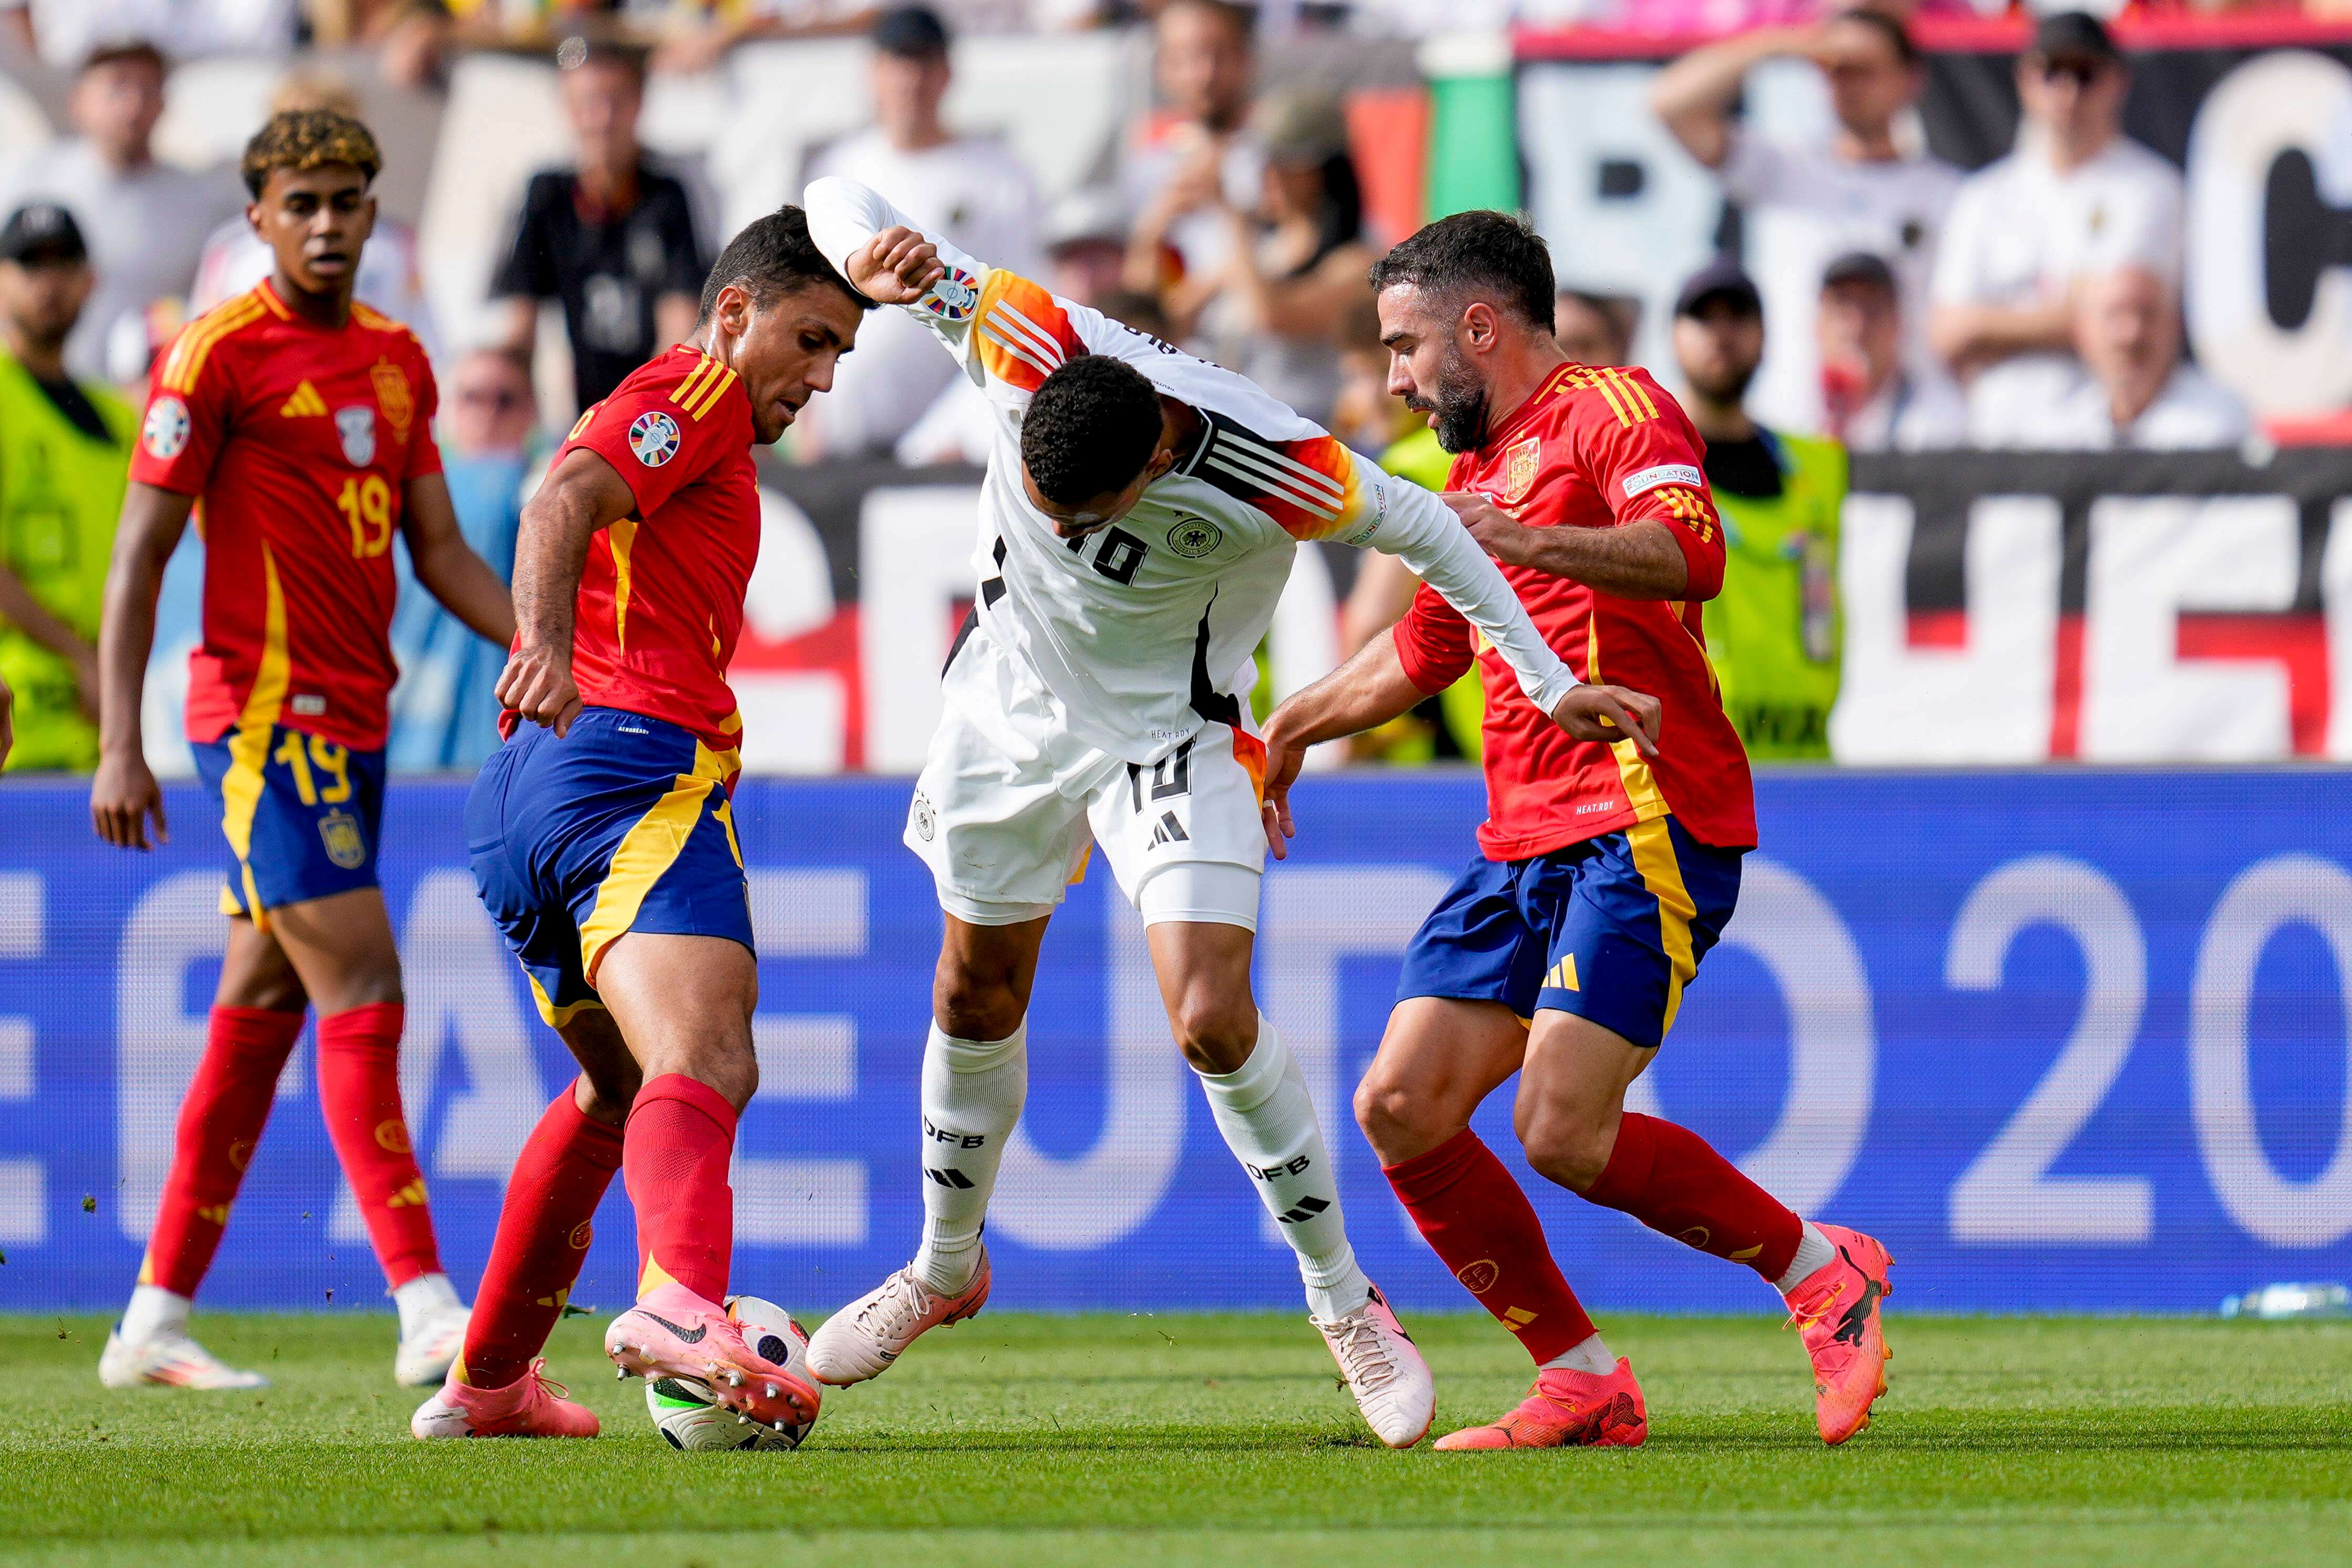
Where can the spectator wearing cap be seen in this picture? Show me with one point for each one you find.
(1805, 204)
(611, 238)
(1873, 400)
(65, 457)
(1295, 262)
(973, 190)
(2133, 391)
(1197, 150)
(145, 223)
(390, 279)
(2075, 198)
(65, 33)
(1774, 630)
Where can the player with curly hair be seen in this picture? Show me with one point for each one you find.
(302, 423)
(1139, 519)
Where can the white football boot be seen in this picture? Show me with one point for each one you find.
(168, 1358)
(1384, 1370)
(863, 1339)
(432, 1346)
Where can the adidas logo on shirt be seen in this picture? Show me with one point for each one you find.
(305, 404)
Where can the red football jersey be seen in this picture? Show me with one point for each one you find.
(299, 441)
(661, 595)
(1596, 448)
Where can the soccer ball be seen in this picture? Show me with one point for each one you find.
(688, 1417)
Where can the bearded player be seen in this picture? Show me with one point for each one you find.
(1606, 875)
(1139, 519)
(604, 846)
(303, 421)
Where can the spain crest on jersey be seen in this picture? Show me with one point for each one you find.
(356, 426)
(392, 396)
(1519, 467)
(340, 832)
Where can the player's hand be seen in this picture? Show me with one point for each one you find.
(1499, 533)
(895, 266)
(123, 795)
(1609, 715)
(1283, 761)
(537, 683)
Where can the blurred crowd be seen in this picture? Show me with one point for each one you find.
(1887, 302)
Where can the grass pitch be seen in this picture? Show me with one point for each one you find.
(1038, 1441)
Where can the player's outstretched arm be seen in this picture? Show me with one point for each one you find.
(583, 494)
(124, 795)
(886, 254)
(446, 565)
(1634, 560)
(1363, 693)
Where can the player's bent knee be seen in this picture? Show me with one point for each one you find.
(1566, 1148)
(1399, 1121)
(1215, 1035)
(967, 1008)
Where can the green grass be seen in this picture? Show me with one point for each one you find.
(1036, 1441)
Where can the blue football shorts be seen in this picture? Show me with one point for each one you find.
(300, 814)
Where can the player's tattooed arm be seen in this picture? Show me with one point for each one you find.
(446, 565)
(124, 795)
(583, 494)
(1639, 560)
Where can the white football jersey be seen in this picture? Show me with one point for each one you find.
(1137, 634)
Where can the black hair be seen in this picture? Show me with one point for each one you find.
(1091, 427)
(772, 256)
(1897, 36)
(1476, 252)
(1339, 215)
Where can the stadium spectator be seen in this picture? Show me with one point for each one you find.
(1086, 245)
(1294, 265)
(975, 188)
(1805, 204)
(145, 224)
(235, 258)
(2075, 198)
(1198, 148)
(1595, 328)
(444, 712)
(65, 456)
(1872, 400)
(1773, 631)
(64, 32)
(2133, 391)
(611, 238)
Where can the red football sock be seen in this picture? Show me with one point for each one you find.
(359, 1090)
(1477, 1218)
(544, 1229)
(1673, 1181)
(220, 1122)
(681, 1138)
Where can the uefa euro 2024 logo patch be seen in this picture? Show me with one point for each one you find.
(654, 438)
(166, 431)
(953, 296)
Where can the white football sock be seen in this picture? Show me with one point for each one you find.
(153, 1309)
(1587, 1354)
(421, 1298)
(972, 1091)
(1269, 1124)
(1814, 1253)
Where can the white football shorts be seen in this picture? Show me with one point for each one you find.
(1006, 837)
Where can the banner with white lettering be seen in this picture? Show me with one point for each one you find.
(2065, 1038)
